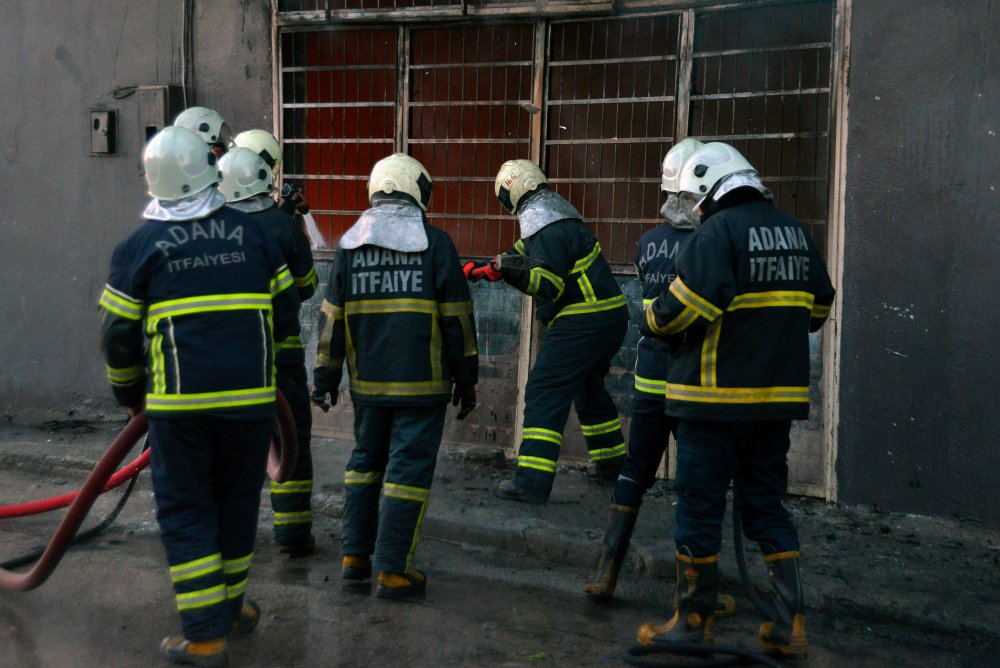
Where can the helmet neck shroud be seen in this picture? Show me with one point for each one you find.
(530, 196)
(741, 195)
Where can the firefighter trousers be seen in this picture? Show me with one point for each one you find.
(753, 455)
(292, 500)
(394, 455)
(649, 433)
(570, 369)
(207, 475)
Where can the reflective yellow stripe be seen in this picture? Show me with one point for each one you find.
(469, 344)
(236, 590)
(584, 263)
(455, 308)
(291, 343)
(710, 353)
(307, 280)
(772, 298)
(401, 388)
(594, 307)
(207, 304)
(738, 395)
(519, 246)
(201, 598)
(537, 463)
(292, 487)
(282, 280)
(586, 289)
(820, 311)
(391, 306)
(539, 434)
(535, 281)
(196, 568)
(780, 556)
(407, 492)
(603, 428)
(689, 298)
(125, 376)
(678, 324)
(362, 477)
(331, 310)
(646, 302)
(650, 386)
(159, 363)
(120, 304)
(608, 453)
(206, 400)
(231, 566)
(300, 517)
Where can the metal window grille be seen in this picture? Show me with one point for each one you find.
(610, 105)
(761, 81)
(469, 95)
(616, 93)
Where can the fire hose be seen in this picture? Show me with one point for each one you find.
(281, 464)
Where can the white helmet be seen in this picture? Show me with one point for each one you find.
(710, 164)
(675, 158)
(244, 174)
(209, 125)
(178, 164)
(401, 173)
(263, 144)
(516, 179)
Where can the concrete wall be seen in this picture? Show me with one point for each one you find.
(919, 418)
(63, 210)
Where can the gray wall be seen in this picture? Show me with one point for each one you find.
(63, 210)
(919, 418)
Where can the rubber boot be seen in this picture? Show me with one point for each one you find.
(617, 534)
(786, 635)
(695, 601)
(303, 548)
(606, 471)
(248, 618)
(396, 586)
(356, 571)
(509, 490)
(207, 654)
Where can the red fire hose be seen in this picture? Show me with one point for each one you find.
(281, 464)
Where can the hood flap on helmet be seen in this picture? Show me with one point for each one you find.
(394, 224)
(200, 205)
(544, 208)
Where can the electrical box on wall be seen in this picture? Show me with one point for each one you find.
(103, 132)
(159, 104)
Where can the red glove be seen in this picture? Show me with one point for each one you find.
(480, 271)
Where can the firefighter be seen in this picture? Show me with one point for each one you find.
(651, 427)
(209, 125)
(586, 316)
(397, 308)
(195, 299)
(266, 146)
(750, 288)
(246, 183)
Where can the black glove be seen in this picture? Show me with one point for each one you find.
(318, 398)
(465, 395)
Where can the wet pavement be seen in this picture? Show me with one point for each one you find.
(504, 580)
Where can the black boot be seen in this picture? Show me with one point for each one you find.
(695, 601)
(617, 534)
(786, 635)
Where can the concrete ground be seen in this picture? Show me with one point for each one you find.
(882, 589)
